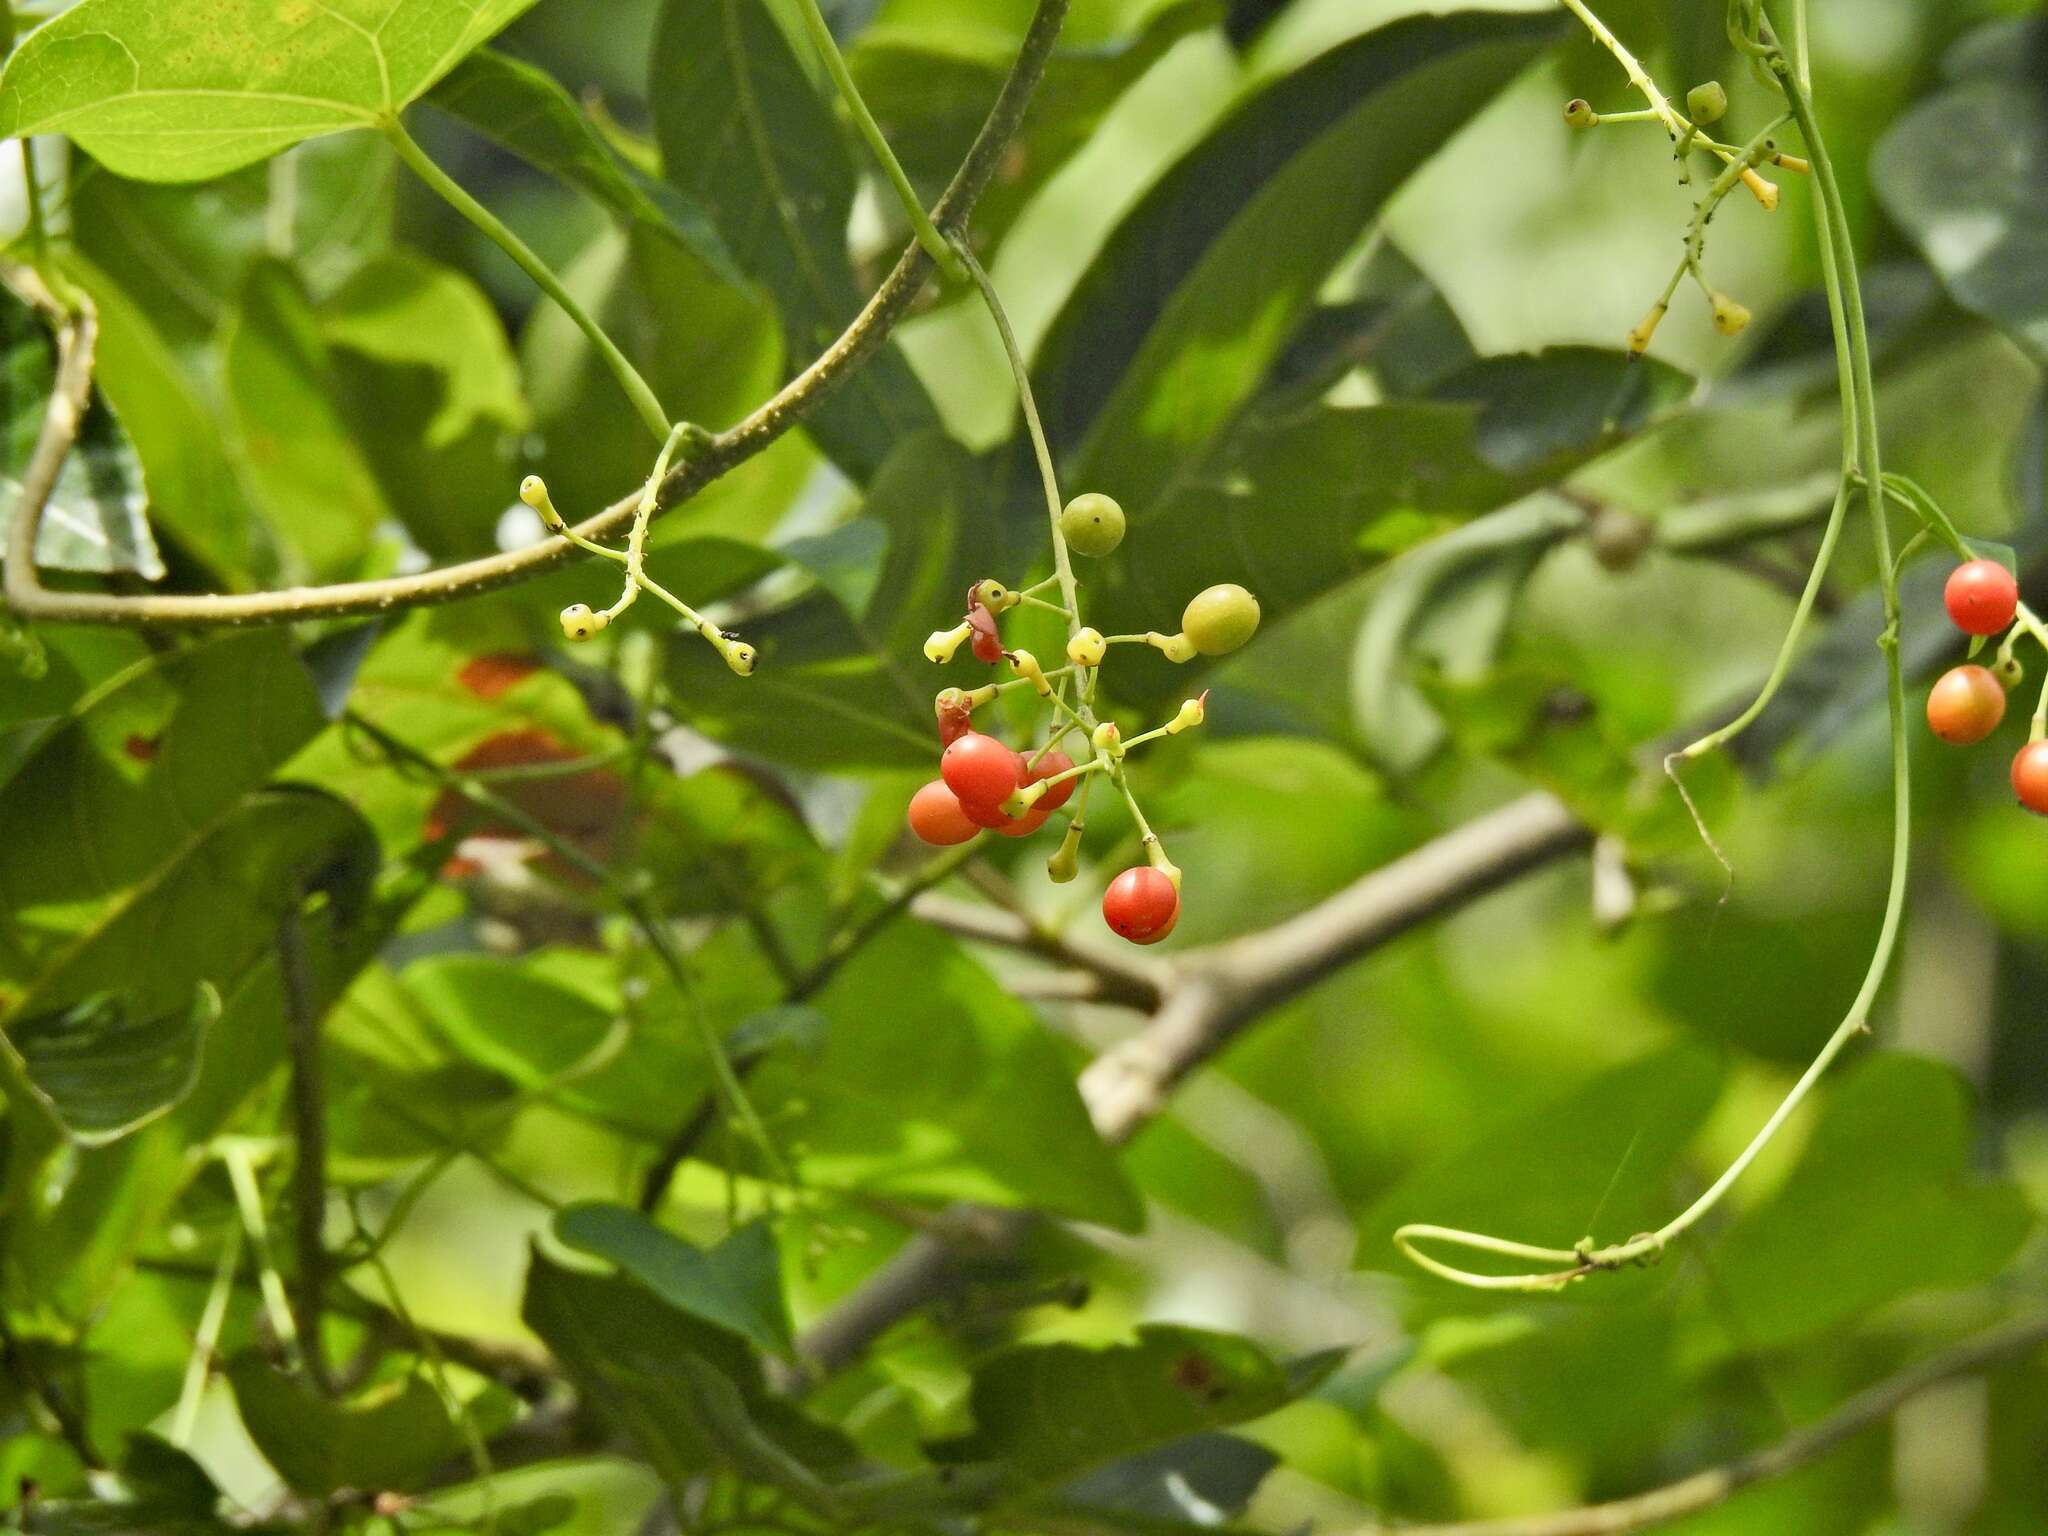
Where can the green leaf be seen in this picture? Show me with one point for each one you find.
(745, 134)
(1883, 1202)
(1051, 1411)
(687, 1392)
(930, 84)
(189, 92)
(1596, 1163)
(103, 1073)
(1965, 173)
(385, 1437)
(406, 309)
(737, 1285)
(1203, 284)
(935, 1085)
(93, 519)
(301, 463)
(529, 113)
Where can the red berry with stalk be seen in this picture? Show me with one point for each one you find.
(1982, 597)
(1141, 905)
(981, 771)
(1965, 706)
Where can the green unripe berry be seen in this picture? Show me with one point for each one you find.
(1579, 113)
(1706, 103)
(1092, 524)
(1087, 648)
(579, 623)
(1219, 620)
(1730, 318)
(740, 656)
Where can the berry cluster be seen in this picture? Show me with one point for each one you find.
(986, 785)
(1968, 702)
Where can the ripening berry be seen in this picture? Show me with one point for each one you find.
(988, 640)
(1087, 648)
(1092, 524)
(1219, 620)
(1965, 706)
(935, 816)
(954, 718)
(579, 623)
(1707, 103)
(740, 656)
(981, 771)
(2030, 777)
(1141, 905)
(1046, 767)
(1730, 317)
(1982, 597)
(1028, 823)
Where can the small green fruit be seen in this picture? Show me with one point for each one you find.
(1706, 103)
(1092, 524)
(1220, 619)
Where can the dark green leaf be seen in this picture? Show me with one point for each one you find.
(1158, 346)
(745, 134)
(736, 1285)
(1051, 1411)
(384, 1438)
(104, 1074)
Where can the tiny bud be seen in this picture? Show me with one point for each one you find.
(1579, 113)
(1617, 537)
(1192, 713)
(1087, 648)
(942, 643)
(534, 492)
(1706, 103)
(2009, 672)
(1107, 740)
(1730, 318)
(1172, 647)
(1026, 666)
(1066, 860)
(579, 623)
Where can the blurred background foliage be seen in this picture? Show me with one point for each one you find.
(1329, 296)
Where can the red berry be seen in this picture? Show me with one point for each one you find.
(1141, 905)
(1046, 767)
(1028, 823)
(981, 771)
(2030, 777)
(935, 816)
(1982, 597)
(1965, 706)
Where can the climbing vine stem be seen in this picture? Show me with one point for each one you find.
(1861, 471)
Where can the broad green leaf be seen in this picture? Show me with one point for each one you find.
(745, 134)
(385, 1437)
(1050, 1411)
(1884, 1202)
(935, 1085)
(1965, 172)
(688, 1393)
(103, 1073)
(1206, 280)
(553, 1023)
(930, 87)
(737, 1284)
(93, 519)
(301, 464)
(186, 92)
(405, 309)
(1598, 1163)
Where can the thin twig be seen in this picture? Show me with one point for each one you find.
(309, 1135)
(1704, 1490)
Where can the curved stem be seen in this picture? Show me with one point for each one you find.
(921, 224)
(457, 197)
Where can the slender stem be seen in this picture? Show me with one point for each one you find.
(1861, 464)
(458, 198)
(249, 1201)
(921, 224)
(309, 1136)
(206, 1340)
